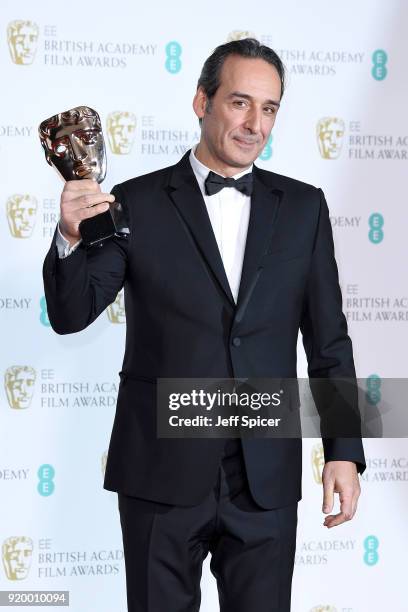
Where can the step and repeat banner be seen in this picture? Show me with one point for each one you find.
(342, 127)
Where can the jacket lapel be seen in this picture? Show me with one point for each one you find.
(265, 202)
(186, 196)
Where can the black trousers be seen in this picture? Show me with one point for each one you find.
(252, 549)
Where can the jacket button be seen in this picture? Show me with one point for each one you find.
(236, 341)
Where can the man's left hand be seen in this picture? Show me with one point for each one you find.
(340, 477)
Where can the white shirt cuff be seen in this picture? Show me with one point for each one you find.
(63, 247)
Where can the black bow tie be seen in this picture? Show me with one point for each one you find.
(214, 183)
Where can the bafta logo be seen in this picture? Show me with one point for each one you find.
(22, 39)
(17, 553)
(317, 462)
(19, 383)
(240, 35)
(116, 310)
(330, 132)
(323, 609)
(73, 144)
(104, 459)
(121, 127)
(21, 214)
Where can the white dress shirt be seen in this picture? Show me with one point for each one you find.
(228, 211)
(229, 215)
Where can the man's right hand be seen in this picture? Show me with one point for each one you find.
(81, 200)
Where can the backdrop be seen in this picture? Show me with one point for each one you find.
(341, 127)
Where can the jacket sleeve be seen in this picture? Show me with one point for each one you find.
(79, 287)
(329, 350)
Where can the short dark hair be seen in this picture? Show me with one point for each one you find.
(209, 78)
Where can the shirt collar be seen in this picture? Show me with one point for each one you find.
(201, 171)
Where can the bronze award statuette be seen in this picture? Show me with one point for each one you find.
(73, 144)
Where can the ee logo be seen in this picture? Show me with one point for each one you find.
(379, 69)
(371, 544)
(373, 393)
(173, 52)
(267, 150)
(376, 222)
(44, 314)
(46, 484)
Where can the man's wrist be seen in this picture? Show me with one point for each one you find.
(64, 247)
(355, 463)
(73, 240)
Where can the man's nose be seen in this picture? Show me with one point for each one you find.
(253, 120)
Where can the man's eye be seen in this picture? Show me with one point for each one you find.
(239, 103)
(271, 110)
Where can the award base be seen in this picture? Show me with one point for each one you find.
(113, 222)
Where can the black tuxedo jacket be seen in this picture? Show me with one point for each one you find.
(182, 322)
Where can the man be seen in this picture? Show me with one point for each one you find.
(218, 276)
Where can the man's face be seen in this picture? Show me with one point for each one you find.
(20, 387)
(21, 213)
(242, 113)
(17, 558)
(22, 38)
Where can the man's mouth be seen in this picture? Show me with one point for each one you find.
(244, 142)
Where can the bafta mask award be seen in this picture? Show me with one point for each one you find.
(73, 143)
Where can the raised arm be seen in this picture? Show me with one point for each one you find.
(80, 286)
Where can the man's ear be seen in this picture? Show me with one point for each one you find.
(200, 102)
